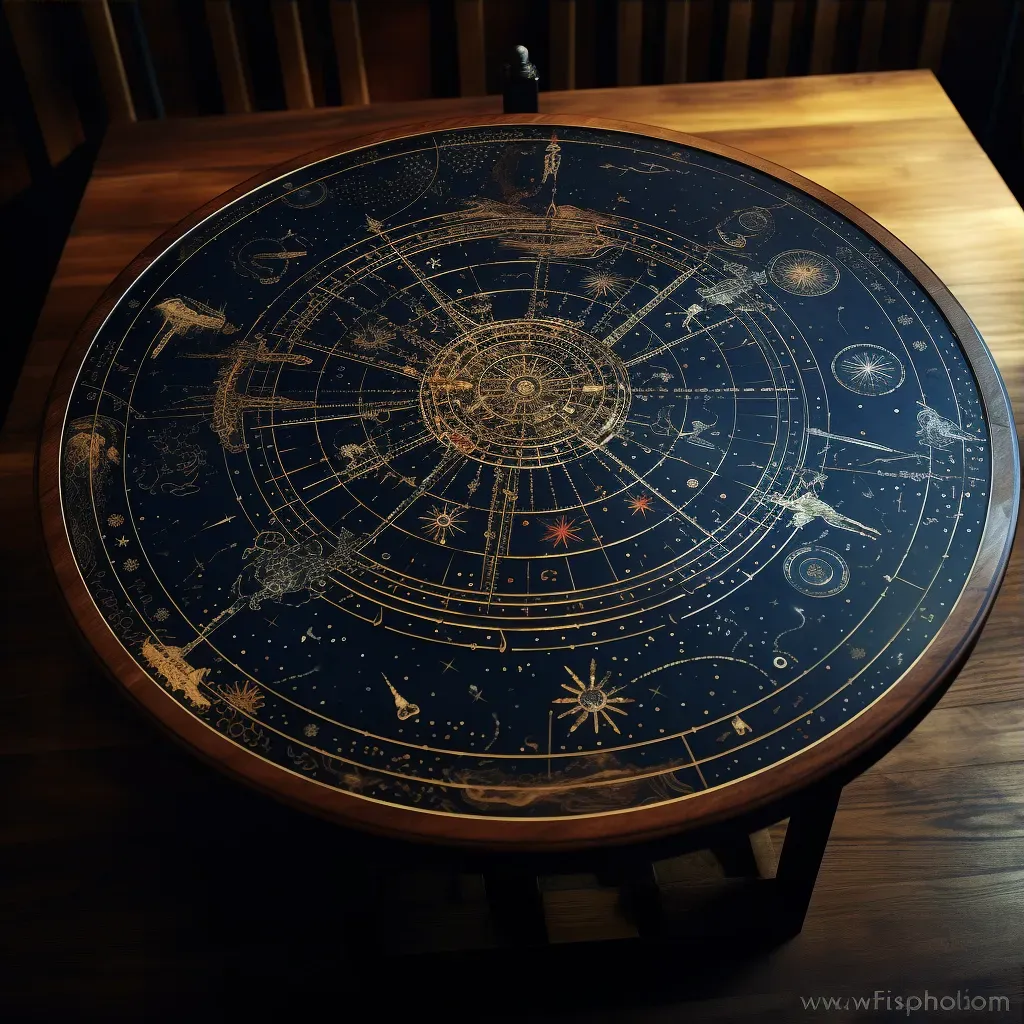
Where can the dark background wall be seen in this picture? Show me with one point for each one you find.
(54, 109)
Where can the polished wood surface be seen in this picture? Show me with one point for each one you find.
(926, 852)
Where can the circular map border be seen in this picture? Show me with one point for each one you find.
(835, 757)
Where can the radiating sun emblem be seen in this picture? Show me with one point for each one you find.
(601, 283)
(442, 522)
(247, 698)
(561, 531)
(592, 699)
(802, 272)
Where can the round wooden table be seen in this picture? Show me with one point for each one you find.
(530, 486)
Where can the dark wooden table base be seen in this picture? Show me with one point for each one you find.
(737, 890)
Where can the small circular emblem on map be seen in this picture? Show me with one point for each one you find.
(868, 369)
(817, 571)
(802, 272)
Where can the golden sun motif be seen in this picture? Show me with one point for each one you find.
(592, 699)
(803, 274)
(561, 531)
(247, 698)
(440, 522)
(601, 283)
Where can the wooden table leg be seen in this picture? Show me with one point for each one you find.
(641, 897)
(802, 852)
(517, 907)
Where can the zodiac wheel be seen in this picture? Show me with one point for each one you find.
(525, 394)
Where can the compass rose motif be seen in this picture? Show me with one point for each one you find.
(592, 699)
(442, 522)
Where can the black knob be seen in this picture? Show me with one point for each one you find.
(519, 95)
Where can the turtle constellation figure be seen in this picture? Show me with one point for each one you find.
(808, 507)
(278, 567)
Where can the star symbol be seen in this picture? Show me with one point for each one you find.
(561, 531)
(433, 263)
(122, 542)
(641, 503)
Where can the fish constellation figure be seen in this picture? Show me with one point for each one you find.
(935, 431)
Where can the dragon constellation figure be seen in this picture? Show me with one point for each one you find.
(278, 567)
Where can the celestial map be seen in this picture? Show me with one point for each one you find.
(868, 369)
(524, 472)
(801, 272)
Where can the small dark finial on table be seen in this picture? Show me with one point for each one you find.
(520, 92)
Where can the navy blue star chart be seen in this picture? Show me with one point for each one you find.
(524, 472)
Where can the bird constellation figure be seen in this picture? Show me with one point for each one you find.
(808, 507)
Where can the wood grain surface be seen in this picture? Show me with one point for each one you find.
(141, 880)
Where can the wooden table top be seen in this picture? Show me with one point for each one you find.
(891, 144)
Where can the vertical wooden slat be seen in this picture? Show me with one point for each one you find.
(700, 41)
(315, 33)
(823, 41)
(348, 44)
(110, 66)
(166, 42)
(871, 30)
(469, 27)
(228, 57)
(52, 100)
(397, 47)
(298, 90)
(586, 44)
(562, 49)
(778, 44)
(933, 36)
(630, 41)
(737, 39)
(677, 39)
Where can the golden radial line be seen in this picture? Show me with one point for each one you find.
(446, 462)
(583, 509)
(668, 345)
(454, 314)
(332, 419)
(372, 464)
(376, 364)
(628, 324)
(639, 479)
(496, 541)
(218, 620)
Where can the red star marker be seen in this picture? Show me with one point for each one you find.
(640, 504)
(562, 531)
